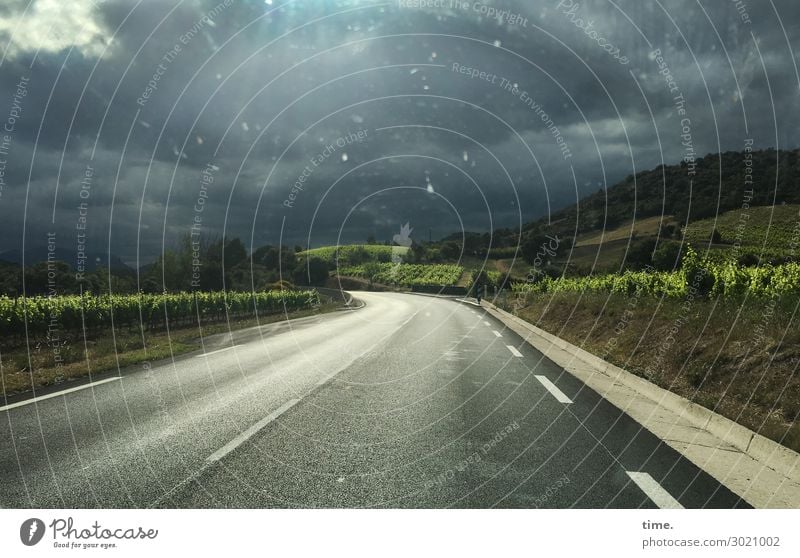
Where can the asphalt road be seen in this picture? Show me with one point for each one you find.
(411, 401)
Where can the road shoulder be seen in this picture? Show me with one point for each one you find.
(762, 472)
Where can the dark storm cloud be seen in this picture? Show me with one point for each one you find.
(259, 94)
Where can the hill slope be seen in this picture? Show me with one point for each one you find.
(719, 185)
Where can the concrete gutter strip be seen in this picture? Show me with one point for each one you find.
(761, 471)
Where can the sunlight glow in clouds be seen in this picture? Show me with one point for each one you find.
(54, 25)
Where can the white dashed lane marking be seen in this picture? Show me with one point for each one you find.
(551, 387)
(514, 351)
(654, 491)
(215, 352)
(496, 333)
(250, 432)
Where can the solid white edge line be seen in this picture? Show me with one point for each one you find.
(57, 394)
(654, 491)
(551, 387)
(215, 352)
(496, 333)
(514, 351)
(250, 432)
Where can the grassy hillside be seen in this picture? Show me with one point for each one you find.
(718, 186)
(773, 231)
(649, 226)
(769, 233)
(355, 254)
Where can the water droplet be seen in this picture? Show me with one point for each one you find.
(497, 43)
(245, 127)
(430, 188)
(465, 156)
(344, 157)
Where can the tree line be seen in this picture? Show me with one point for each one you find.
(213, 264)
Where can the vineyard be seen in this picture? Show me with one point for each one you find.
(698, 275)
(356, 253)
(38, 315)
(492, 278)
(407, 275)
(769, 231)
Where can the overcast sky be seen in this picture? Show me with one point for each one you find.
(449, 116)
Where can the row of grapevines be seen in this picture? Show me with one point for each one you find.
(408, 275)
(74, 313)
(629, 282)
(703, 275)
(361, 252)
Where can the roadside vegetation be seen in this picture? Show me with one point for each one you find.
(697, 275)
(406, 275)
(41, 315)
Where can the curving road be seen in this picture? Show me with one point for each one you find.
(411, 401)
